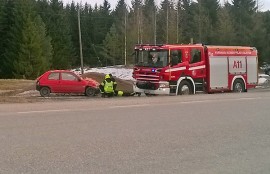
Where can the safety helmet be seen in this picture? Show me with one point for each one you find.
(120, 93)
(107, 76)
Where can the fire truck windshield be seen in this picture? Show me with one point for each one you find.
(150, 58)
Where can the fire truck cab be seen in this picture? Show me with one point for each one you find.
(187, 69)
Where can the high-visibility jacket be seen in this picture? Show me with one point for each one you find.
(108, 87)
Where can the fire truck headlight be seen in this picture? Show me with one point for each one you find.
(164, 85)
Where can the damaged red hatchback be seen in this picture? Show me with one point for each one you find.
(65, 81)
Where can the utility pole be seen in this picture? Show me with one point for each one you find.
(80, 39)
(257, 6)
(167, 24)
(200, 25)
(138, 25)
(155, 26)
(126, 34)
(177, 23)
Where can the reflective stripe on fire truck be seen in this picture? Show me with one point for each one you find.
(238, 77)
(197, 67)
(175, 69)
(184, 78)
(147, 75)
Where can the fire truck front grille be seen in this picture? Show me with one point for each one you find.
(147, 85)
(147, 77)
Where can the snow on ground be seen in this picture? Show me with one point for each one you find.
(118, 71)
(263, 80)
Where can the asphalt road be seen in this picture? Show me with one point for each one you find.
(198, 134)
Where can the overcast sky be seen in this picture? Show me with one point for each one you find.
(263, 4)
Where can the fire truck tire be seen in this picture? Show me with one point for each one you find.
(185, 88)
(238, 86)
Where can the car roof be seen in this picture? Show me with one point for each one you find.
(60, 71)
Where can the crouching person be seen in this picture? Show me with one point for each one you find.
(107, 87)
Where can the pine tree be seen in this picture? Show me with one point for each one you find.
(101, 21)
(166, 23)
(207, 18)
(149, 21)
(225, 29)
(35, 49)
(7, 46)
(243, 12)
(186, 21)
(120, 15)
(258, 37)
(55, 18)
(266, 49)
(72, 18)
(112, 47)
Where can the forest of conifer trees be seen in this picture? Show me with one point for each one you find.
(38, 35)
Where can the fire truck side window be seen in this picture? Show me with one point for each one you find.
(195, 55)
(176, 57)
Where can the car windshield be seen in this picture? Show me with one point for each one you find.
(151, 58)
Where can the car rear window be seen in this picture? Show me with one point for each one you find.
(54, 76)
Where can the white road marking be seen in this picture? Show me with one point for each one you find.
(43, 111)
(138, 105)
(219, 100)
(129, 106)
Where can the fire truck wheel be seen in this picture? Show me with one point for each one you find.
(238, 86)
(184, 88)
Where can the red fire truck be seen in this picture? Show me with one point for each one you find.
(187, 69)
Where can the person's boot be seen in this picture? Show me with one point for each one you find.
(103, 95)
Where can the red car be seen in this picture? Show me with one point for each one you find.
(64, 81)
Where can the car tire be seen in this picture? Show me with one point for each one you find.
(89, 92)
(238, 86)
(45, 91)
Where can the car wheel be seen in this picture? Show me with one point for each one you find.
(238, 86)
(184, 88)
(45, 92)
(90, 92)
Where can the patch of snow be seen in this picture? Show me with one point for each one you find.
(29, 93)
(120, 72)
(263, 75)
(263, 80)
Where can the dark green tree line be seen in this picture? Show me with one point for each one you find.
(37, 35)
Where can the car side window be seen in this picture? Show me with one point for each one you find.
(69, 76)
(53, 76)
(195, 55)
